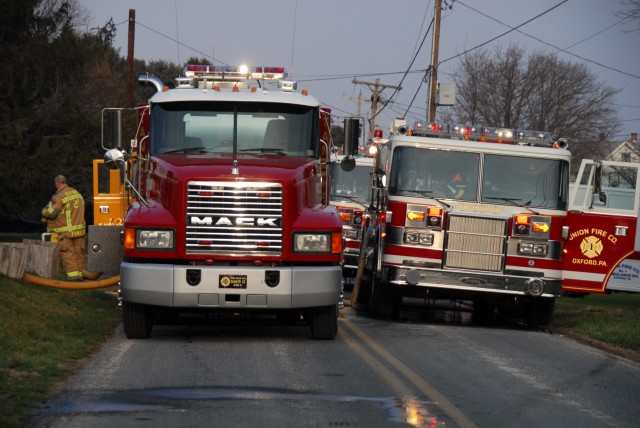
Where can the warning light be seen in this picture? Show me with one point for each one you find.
(522, 225)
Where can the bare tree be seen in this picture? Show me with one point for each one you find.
(632, 13)
(508, 88)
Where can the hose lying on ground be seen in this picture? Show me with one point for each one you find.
(71, 285)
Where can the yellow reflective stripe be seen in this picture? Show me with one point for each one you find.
(71, 197)
(72, 228)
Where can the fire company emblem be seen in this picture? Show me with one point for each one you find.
(591, 246)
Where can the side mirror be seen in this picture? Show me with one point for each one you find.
(381, 180)
(348, 164)
(597, 180)
(351, 135)
(597, 184)
(115, 128)
(602, 197)
(115, 159)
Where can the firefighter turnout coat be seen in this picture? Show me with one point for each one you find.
(65, 213)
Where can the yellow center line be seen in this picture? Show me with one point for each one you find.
(389, 378)
(441, 401)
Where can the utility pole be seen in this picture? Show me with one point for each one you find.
(434, 61)
(132, 34)
(360, 101)
(375, 87)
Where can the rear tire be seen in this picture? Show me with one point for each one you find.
(137, 320)
(324, 322)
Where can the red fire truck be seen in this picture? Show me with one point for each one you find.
(602, 237)
(466, 213)
(230, 208)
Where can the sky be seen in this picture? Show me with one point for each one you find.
(325, 45)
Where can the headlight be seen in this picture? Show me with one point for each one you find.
(154, 239)
(532, 249)
(317, 242)
(312, 243)
(418, 238)
(350, 233)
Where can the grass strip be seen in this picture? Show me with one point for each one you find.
(44, 335)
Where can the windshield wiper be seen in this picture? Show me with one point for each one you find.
(517, 202)
(187, 150)
(264, 150)
(426, 194)
(354, 199)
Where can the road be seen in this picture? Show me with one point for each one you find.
(434, 370)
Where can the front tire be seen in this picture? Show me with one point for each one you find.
(324, 322)
(384, 300)
(539, 312)
(137, 320)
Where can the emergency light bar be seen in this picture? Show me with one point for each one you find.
(232, 73)
(485, 134)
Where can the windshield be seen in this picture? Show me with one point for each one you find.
(525, 181)
(506, 180)
(435, 173)
(214, 127)
(353, 185)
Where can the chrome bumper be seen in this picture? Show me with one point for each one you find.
(213, 286)
(470, 281)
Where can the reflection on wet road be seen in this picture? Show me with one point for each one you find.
(411, 410)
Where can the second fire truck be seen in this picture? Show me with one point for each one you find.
(466, 213)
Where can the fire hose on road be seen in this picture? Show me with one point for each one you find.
(71, 285)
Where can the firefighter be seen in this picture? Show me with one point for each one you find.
(65, 219)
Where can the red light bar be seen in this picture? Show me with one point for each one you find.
(279, 70)
(233, 73)
(210, 68)
(435, 126)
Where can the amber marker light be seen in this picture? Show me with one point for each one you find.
(540, 227)
(336, 242)
(415, 215)
(345, 216)
(129, 238)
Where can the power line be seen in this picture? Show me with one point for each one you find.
(408, 69)
(180, 43)
(503, 34)
(595, 34)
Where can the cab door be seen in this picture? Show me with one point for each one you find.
(109, 197)
(600, 252)
(110, 204)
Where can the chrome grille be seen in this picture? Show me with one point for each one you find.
(475, 243)
(234, 218)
